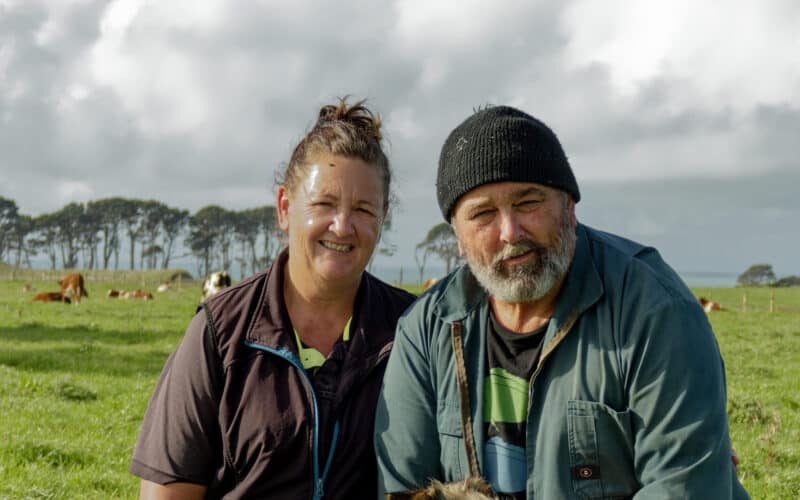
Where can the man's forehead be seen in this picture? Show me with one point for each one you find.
(504, 190)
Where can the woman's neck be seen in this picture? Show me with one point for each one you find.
(318, 313)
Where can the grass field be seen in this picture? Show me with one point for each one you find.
(76, 380)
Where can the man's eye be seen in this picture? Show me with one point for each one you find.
(366, 211)
(482, 214)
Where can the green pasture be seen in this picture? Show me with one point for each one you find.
(76, 380)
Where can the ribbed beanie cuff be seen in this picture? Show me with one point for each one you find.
(500, 144)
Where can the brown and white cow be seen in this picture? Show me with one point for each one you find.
(136, 294)
(72, 286)
(429, 283)
(51, 297)
(215, 282)
(709, 305)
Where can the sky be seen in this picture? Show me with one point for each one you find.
(681, 119)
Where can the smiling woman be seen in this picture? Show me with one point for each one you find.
(272, 392)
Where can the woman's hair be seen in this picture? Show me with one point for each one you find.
(343, 130)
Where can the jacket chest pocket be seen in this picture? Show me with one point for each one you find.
(600, 451)
(452, 454)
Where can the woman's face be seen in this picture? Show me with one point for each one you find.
(333, 218)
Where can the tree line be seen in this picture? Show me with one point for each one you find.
(98, 234)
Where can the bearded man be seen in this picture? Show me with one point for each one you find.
(561, 361)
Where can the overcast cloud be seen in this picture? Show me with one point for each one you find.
(680, 119)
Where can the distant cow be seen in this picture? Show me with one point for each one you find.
(215, 282)
(136, 294)
(429, 283)
(28, 288)
(72, 286)
(164, 287)
(51, 297)
(112, 294)
(709, 305)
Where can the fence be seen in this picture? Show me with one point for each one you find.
(149, 278)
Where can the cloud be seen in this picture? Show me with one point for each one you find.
(199, 102)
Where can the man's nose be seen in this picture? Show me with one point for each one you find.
(510, 230)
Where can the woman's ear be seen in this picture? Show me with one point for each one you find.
(283, 208)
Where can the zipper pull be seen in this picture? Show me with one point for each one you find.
(320, 488)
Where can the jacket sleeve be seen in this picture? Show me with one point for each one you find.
(676, 393)
(406, 439)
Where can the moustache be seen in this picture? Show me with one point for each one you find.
(516, 249)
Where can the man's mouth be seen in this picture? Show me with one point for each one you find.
(336, 246)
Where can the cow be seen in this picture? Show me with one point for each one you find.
(215, 282)
(709, 305)
(136, 294)
(164, 287)
(112, 294)
(429, 283)
(28, 288)
(72, 286)
(51, 297)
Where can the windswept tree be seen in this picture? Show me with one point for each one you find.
(131, 220)
(9, 213)
(90, 223)
(19, 242)
(110, 212)
(152, 215)
(69, 222)
(46, 229)
(173, 224)
(441, 241)
(210, 234)
(757, 275)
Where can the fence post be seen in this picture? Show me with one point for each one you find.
(744, 302)
(772, 302)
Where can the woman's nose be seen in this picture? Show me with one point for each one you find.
(342, 224)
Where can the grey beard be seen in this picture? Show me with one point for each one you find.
(533, 280)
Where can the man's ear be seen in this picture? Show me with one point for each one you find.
(282, 208)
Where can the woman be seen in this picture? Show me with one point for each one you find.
(272, 391)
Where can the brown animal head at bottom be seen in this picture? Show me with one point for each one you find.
(472, 488)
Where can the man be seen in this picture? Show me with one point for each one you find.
(562, 361)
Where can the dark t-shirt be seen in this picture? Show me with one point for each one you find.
(511, 361)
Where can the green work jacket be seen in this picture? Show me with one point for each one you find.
(627, 400)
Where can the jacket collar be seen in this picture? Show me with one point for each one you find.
(580, 290)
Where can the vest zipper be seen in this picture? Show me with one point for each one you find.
(318, 481)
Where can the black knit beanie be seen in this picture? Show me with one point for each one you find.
(499, 144)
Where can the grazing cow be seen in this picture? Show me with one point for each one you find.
(429, 283)
(135, 294)
(709, 305)
(28, 288)
(72, 286)
(51, 297)
(164, 287)
(469, 489)
(215, 282)
(112, 294)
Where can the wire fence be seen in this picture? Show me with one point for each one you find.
(143, 278)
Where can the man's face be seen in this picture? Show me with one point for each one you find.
(518, 238)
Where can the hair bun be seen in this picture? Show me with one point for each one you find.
(357, 115)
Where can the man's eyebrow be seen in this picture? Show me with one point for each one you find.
(533, 190)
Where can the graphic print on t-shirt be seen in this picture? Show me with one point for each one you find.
(511, 358)
(505, 412)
